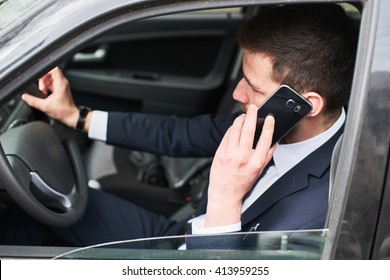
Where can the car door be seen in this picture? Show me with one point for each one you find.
(173, 64)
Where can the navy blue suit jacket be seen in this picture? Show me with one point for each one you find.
(298, 200)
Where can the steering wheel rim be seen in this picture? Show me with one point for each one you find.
(45, 177)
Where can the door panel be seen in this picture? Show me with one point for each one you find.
(178, 64)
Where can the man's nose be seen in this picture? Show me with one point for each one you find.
(240, 94)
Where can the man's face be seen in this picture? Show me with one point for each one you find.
(256, 85)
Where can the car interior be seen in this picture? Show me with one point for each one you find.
(181, 64)
(191, 72)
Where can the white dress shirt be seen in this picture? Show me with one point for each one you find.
(98, 126)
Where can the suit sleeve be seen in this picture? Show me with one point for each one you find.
(168, 135)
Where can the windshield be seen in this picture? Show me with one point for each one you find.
(10, 10)
(256, 245)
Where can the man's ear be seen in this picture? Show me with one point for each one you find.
(317, 103)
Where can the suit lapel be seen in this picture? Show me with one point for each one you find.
(294, 180)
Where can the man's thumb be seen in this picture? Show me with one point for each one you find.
(32, 101)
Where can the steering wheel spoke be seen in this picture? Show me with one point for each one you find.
(49, 196)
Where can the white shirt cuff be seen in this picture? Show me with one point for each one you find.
(197, 225)
(98, 126)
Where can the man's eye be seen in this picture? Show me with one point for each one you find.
(258, 92)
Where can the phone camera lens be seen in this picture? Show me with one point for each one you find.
(297, 108)
(290, 103)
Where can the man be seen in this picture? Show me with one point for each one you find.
(311, 48)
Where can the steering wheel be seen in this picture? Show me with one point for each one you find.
(44, 176)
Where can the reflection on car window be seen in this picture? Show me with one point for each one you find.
(236, 10)
(12, 9)
(305, 244)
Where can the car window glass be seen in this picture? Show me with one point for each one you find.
(307, 244)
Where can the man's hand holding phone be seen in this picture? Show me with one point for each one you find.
(236, 166)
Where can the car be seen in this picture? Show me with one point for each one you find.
(133, 55)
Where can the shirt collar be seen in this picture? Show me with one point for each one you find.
(287, 156)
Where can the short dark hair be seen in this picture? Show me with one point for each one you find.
(312, 48)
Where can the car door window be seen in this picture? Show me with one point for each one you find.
(307, 244)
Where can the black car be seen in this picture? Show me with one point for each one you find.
(176, 58)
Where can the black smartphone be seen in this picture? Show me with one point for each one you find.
(288, 108)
